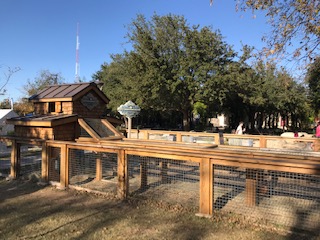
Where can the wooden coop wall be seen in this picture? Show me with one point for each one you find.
(65, 132)
(40, 108)
(75, 107)
(86, 112)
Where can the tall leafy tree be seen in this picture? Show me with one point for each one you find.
(295, 26)
(170, 66)
(313, 80)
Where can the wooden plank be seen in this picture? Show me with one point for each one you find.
(64, 176)
(123, 178)
(178, 137)
(251, 187)
(15, 160)
(164, 172)
(164, 155)
(111, 128)
(44, 163)
(311, 170)
(193, 153)
(86, 127)
(206, 187)
(99, 167)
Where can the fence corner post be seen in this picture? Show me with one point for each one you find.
(206, 187)
(64, 173)
(44, 163)
(123, 178)
(15, 160)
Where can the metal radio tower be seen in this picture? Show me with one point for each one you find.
(77, 79)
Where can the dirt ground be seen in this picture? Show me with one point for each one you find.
(31, 211)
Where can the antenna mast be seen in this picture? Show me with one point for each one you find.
(77, 78)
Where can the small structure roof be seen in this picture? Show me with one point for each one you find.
(5, 112)
(67, 92)
(44, 120)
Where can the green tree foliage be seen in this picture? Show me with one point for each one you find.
(313, 80)
(295, 25)
(170, 67)
(174, 68)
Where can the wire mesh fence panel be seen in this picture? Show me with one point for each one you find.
(84, 133)
(288, 199)
(30, 161)
(54, 156)
(98, 127)
(93, 170)
(164, 180)
(5, 156)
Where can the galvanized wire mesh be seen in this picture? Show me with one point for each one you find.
(289, 199)
(84, 133)
(30, 161)
(5, 155)
(93, 170)
(164, 180)
(98, 127)
(54, 156)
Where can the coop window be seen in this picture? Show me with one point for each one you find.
(52, 107)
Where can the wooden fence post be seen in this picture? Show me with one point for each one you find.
(316, 145)
(178, 137)
(99, 167)
(263, 142)
(123, 177)
(146, 134)
(164, 172)
(251, 186)
(15, 159)
(64, 173)
(206, 187)
(44, 163)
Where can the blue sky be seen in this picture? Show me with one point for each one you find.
(40, 35)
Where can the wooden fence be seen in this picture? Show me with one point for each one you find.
(256, 164)
(256, 141)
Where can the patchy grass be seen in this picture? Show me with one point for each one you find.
(30, 211)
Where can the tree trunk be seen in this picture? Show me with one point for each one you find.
(186, 120)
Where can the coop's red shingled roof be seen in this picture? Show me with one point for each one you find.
(67, 92)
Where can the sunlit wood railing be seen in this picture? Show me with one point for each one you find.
(245, 140)
(254, 159)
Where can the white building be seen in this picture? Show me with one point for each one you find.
(4, 115)
(5, 128)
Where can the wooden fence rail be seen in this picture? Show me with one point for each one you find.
(251, 159)
(257, 141)
(255, 160)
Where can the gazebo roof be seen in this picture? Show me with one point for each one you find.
(67, 92)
